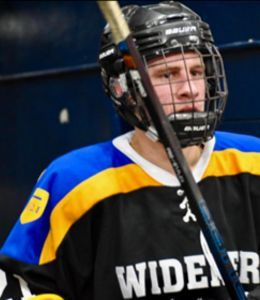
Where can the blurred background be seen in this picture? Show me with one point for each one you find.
(50, 91)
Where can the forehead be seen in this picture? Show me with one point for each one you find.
(190, 57)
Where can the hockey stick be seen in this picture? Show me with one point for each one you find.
(124, 41)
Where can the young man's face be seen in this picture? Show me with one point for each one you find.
(179, 81)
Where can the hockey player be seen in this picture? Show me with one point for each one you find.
(110, 221)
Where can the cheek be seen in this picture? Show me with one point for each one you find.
(202, 88)
(202, 94)
(164, 93)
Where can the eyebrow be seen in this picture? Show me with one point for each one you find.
(202, 66)
(164, 66)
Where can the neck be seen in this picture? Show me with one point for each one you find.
(156, 154)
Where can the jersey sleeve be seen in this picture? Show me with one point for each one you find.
(34, 259)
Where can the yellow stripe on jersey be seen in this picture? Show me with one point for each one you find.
(84, 196)
(44, 297)
(231, 162)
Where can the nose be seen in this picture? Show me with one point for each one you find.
(186, 89)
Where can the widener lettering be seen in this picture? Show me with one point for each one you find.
(135, 279)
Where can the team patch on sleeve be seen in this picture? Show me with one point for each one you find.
(35, 207)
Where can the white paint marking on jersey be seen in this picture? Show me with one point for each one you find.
(189, 214)
(3, 282)
(180, 192)
(24, 286)
(210, 259)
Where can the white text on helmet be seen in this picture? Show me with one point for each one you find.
(107, 53)
(183, 29)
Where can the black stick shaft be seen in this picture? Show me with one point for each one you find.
(171, 143)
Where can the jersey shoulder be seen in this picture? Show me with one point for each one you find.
(65, 189)
(69, 171)
(234, 154)
(88, 161)
(240, 142)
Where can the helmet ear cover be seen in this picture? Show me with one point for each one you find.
(121, 87)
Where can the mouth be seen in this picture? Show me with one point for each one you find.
(186, 115)
(188, 109)
(185, 110)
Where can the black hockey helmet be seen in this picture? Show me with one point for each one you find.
(159, 30)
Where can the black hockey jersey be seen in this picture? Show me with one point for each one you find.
(103, 223)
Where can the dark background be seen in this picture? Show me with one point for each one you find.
(50, 91)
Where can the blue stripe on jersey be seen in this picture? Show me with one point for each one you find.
(241, 142)
(63, 174)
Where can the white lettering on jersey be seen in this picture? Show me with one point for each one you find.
(249, 267)
(233, 256)
(195, 272)
(215, 278)
(155, 290)
(132, 279)
(168, 265)
(132, 282)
